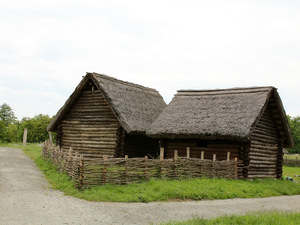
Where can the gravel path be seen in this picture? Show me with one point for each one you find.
(25, 198)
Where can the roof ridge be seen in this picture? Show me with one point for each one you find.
(192, 92)
(104, 76)
(226, 89)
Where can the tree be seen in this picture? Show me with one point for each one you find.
(294, 123)
(12, 133)
(7, 118)
(7, 115)
(37, 128)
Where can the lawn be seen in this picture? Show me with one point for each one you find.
(271, 218)
(165, 190)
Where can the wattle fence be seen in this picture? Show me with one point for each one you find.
(86, 172)
(291, 162)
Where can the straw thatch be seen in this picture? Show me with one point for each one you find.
(218, 114)
(135, 106)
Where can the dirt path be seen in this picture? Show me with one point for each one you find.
(25, 198)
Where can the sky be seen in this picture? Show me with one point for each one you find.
(47, 46)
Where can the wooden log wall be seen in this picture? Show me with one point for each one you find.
(140, 145)
(90, 127)
(265, 148)
(218, 147)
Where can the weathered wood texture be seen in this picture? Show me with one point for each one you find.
(266, 148)
(87, 172)
(210, 147)
(90, 126)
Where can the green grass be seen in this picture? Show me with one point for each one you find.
(164, 190)
(293, 172)
(270, 218)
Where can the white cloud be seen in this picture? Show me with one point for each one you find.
(47, 46)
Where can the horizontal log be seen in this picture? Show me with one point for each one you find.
(94, 113)
(267, 120)
(252, 162)
(263, 140)
(91, 105)
(264, 137)
(269, 134)
(89, 128)
(267, 127)
(263, 143)
(91, 112)
(100, 118)
(252, 173)
(272, 152)
(257, 158)
(90, 135)
(264, 148)
(264, 155)
(89, 143)
(80, 139)
(77, 124)
(260, 166)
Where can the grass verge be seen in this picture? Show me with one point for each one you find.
(271, 218)
(164, 190)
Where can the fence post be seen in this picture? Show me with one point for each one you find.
(202, 162)
(126, 168)
(81, 164)
(214, 165)
(175, 163)
(235, 169)
(146, 166)
(70, 160)
(50, 137)
(202, 155)
(188, 161)
(105, 157)
(25, 137)
(175, 155)
(161, 156)
(228, 156)
(61, 160)
(75, 165)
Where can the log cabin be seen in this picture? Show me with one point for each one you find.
(250, 123)
(106, 116)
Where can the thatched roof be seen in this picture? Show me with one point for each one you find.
(217, 114)
(135, 106)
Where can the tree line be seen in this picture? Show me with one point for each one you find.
(11, 129)
(294, 123)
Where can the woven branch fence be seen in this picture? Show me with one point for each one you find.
(291, 162)
(86, 172)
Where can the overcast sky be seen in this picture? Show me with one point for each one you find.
(47, 46)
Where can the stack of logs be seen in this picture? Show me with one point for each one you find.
(87, 172)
